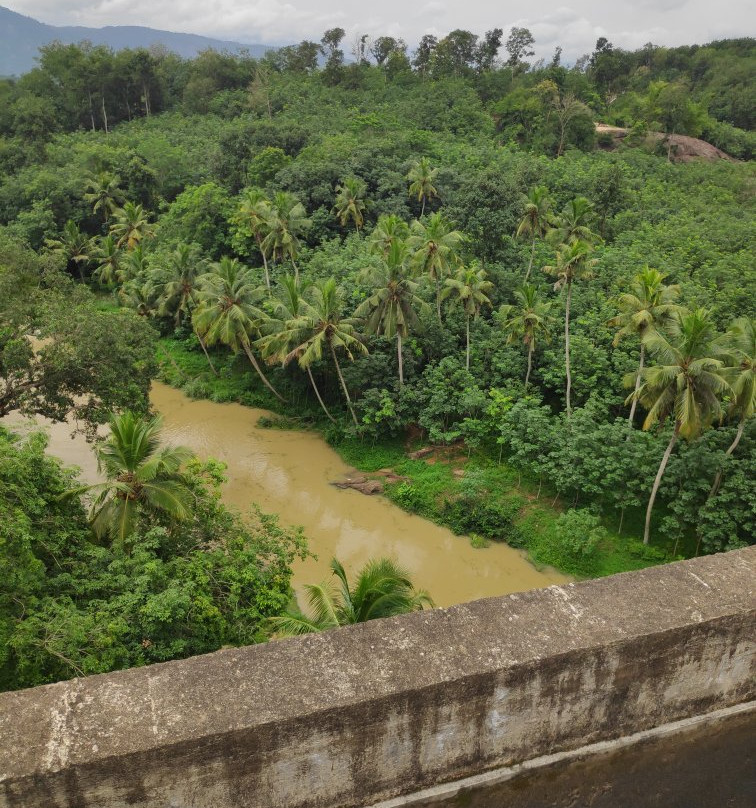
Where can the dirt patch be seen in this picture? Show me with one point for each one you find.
(681, 148)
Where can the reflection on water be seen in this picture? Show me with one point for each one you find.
(289, 473)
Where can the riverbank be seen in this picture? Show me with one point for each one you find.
(471, 494)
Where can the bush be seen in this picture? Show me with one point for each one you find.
(479, 514)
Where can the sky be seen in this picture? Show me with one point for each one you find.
(575, 24)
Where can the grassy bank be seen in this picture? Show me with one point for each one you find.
(474, 495)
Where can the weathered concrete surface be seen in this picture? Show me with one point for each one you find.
(705, 761)
(369, 713)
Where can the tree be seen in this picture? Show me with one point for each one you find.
(254, 214)
(82, 362)
(319, 326)
(435, 245)
(646, 308)
(288, 220)
(530, 320)
(572, 264)
(686, 385)
(519, 46)
(567, 108)
(285, 330)
(739, 345)
(574, 223)
(143, 477)
(383, 589)
(108, 257)
(131, 226)
(424, 54)
(421, 176)
(469, 287)
(104, 193)
(350, 202)
(227, 313)
(536, 219)
(394, 308)
(389, 229)
(74, 246)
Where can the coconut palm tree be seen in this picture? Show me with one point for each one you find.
(645, 308)
(572, 264)
(319, 327)
(350, 202)
(255, 211)
(739, 345)
(389, 228)
(536, 219)
(529, 320)
(435, 245)
(394, 308)
(468, 288)
(422, 176)
(686, 385)
(108, 270)
(287, 221)
(131, 226)
(143, 477)
(176, 282)
(76, 247)
(286, 329)
(104, 193)
(227, 313)
(138, 294)
(574, 223)
(382, 589)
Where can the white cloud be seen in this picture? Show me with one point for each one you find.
(574, 25)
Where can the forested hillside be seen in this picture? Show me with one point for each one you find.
(428, 247)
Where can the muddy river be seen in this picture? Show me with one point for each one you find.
(290, 473)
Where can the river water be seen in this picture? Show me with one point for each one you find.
(290, 473)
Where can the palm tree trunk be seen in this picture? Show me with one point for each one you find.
(467, 350)
(655, 489)
(532, 255)
(296, 272)
(422, 209)
(530, 365)
(399, 357)
(264, 380)
(343, 385)
(438, 297)
(637, 385)
(317, 393)
(265, 263)
(720, 471)
(567, 347)
(207, 355)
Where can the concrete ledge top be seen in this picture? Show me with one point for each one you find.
(49, 728)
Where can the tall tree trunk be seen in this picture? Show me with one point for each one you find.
(467, 348)
(207, 355)
(91, 111)
(422, 209)
(265, 262)
(530, 364)
(530, 264)
(637, 385)
(399, 357)
(720, 471)
(567, 347)
(264, 380)
(655, 489)
(317, 393)
(296, 272)
(343, 385)
(104, 115)
(438, 297)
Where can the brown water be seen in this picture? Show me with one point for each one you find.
(289, 473)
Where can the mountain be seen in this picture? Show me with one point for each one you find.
(21, 37)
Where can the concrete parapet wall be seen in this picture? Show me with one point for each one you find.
(386, 709)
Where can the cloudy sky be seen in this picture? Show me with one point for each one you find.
(575, 24)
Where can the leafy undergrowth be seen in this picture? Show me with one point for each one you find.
(489, 502)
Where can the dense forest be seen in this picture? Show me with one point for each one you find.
(397, 249)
